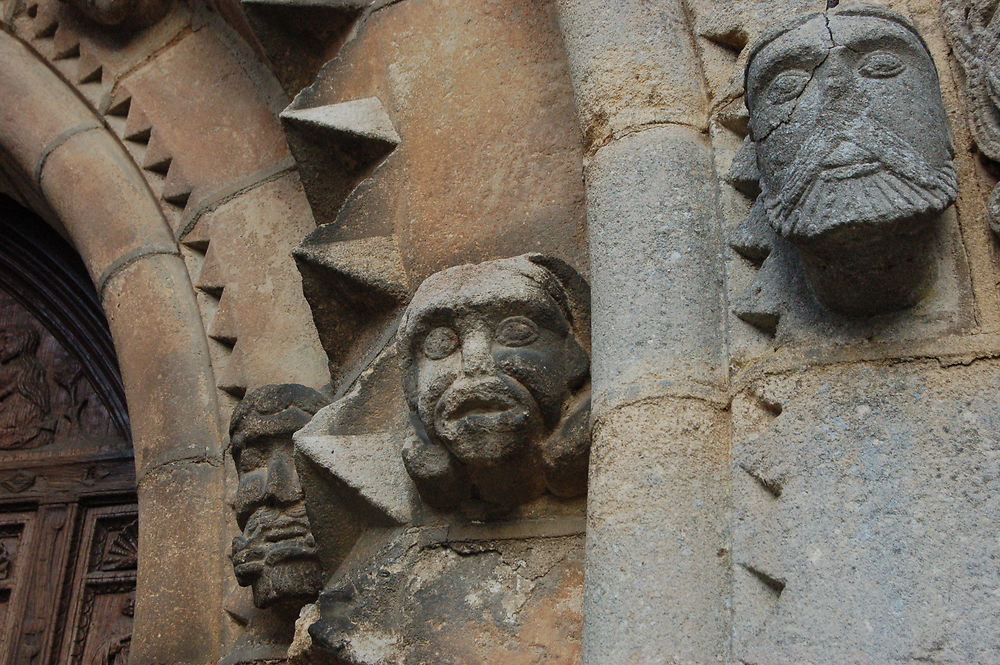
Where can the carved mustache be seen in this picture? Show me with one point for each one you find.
(490, 396)
(859, 147)
(268, 523)
(250, 560)
(272, 536)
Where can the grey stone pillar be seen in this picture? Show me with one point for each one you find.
(657, 575)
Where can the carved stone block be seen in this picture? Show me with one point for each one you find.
(496, 373)
(853, 153)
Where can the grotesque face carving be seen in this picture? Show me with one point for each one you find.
(492, 354)
(853, 148)
(276, 554)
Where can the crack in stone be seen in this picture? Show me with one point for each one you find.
(812, 75)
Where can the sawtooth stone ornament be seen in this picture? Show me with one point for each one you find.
(496, 373)
(853, 153)
(276, 554)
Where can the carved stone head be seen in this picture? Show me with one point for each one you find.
(496, 373)
(853, 151)
(276, 555)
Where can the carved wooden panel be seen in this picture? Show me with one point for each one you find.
(68, 519)
(99, 626)
(44, 395)
(46, 277)
(44, 569)
(15, 544)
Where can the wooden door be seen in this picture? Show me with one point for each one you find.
(68, 515)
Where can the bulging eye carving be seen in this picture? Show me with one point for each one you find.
(516, 331)
(881, 65)
(787, 85)
(440, 343)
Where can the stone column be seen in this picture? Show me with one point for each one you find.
(657, 574)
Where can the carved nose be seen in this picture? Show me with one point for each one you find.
(283, 482)
(477, 358)
(839, 74)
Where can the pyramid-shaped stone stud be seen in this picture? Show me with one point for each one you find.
(337, 146)
(355, 288)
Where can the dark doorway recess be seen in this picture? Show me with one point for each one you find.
(68, 515)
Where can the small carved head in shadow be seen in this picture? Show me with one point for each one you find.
(276, 555)
(853, 151)
(496, 372)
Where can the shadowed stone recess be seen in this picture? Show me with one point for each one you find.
(124, 14)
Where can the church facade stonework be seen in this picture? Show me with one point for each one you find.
(479, 332)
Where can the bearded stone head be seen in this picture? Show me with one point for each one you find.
(853, 152)
(496, 373)
(276, 554)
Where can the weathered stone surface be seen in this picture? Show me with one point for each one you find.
(31, 89)
(854, 153)
(245, 136)
(488, 164)
(632, 64)
(336, 146)
(298, 36)
(112, 196)
(493, 601)
(248, 260)
(503, 110)
(655, 259)
(276, 554)
(348, 459)
(865, 499)
(178, 373)
(261, 635)
(179, 596)
(356, 290)
(496, 375)
(657, 538)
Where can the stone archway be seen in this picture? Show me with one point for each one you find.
(51, 140)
